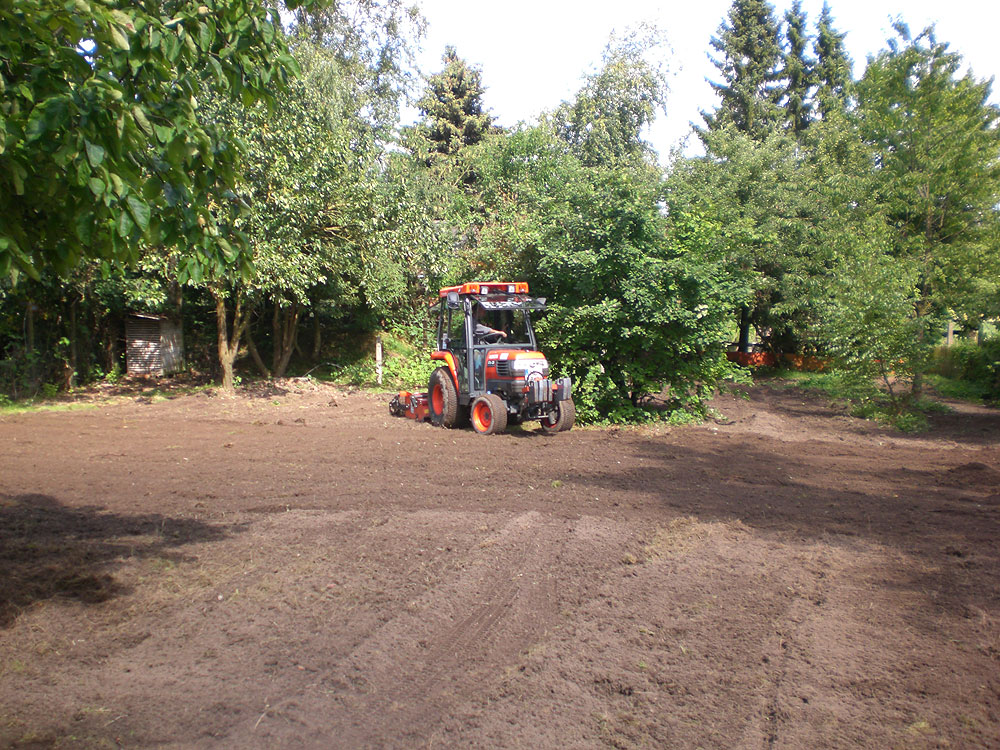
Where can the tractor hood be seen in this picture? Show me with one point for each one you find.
(519, 363)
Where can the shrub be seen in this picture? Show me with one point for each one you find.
(976, 364)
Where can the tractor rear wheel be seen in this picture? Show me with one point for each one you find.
(442, 398)
(489, 414)
(560, 419)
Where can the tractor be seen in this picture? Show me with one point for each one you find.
(491, 372)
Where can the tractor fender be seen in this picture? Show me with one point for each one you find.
(449, 359)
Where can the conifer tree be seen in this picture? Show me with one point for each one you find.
(798, 71)
(832, 72)
(750, 50)
(453, 106)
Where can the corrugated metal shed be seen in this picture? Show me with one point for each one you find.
(154, 345)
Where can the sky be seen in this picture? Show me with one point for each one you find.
(533, 54)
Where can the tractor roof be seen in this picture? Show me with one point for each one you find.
(487, 287)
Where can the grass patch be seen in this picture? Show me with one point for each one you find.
(961, 390)
(32, 405)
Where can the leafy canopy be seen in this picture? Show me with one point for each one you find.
(101, 145)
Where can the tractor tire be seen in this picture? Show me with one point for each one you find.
(560, 419)
(489, 415)
(442, 398)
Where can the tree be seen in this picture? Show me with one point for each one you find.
(832, 72)
(749, 64)
(936, 145)
(798, 71)
(605, 121)
(373, 45)
(452, 104)
(101, 147)
(315, 210)
(755, 188)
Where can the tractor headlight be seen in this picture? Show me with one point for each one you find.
(525, 367)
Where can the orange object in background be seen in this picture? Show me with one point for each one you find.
(752, 359)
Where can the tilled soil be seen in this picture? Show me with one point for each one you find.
(295, 568)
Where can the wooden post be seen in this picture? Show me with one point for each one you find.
(378, 360)
(950, 336)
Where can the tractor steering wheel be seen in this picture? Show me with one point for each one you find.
(491, 338)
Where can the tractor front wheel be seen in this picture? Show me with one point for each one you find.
(489, 414)
(442, 398)
(560, 419)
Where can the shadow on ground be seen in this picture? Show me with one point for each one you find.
(49, 550)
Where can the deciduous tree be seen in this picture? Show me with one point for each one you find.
(936, 142)
(101, 146)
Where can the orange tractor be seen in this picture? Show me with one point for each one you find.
(491, 373)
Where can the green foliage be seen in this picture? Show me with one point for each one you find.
(867, 324)
(604, 122)
(101, 146)
(639, 300)
(865, 402)
(324, 226)
(405, 366)
(642, 303)
(759, 191)
(308, 181)
(373, 44)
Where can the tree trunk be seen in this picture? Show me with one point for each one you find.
(285, 324)
(317, 347)
(295, 344)
(73, 356)
(29, 329)
(255, 356)
(744, 345)
(275, 336)
(228, 342)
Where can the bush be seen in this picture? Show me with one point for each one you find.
(976, 364)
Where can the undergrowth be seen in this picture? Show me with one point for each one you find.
(968, 370)
(405, 365)
(865, 401)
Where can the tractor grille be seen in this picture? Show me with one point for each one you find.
(503, 368)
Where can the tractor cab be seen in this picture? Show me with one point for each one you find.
(488, 327)
(491, 372)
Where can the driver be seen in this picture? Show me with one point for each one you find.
(482, 330)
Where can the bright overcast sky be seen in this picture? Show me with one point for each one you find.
(533, 54)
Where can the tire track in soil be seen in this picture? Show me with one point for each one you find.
(462, 636)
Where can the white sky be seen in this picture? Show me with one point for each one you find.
(533, 54)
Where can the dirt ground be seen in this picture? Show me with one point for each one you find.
(295, 568)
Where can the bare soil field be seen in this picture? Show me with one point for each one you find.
(295, 568)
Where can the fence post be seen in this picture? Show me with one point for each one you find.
(378, 360)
